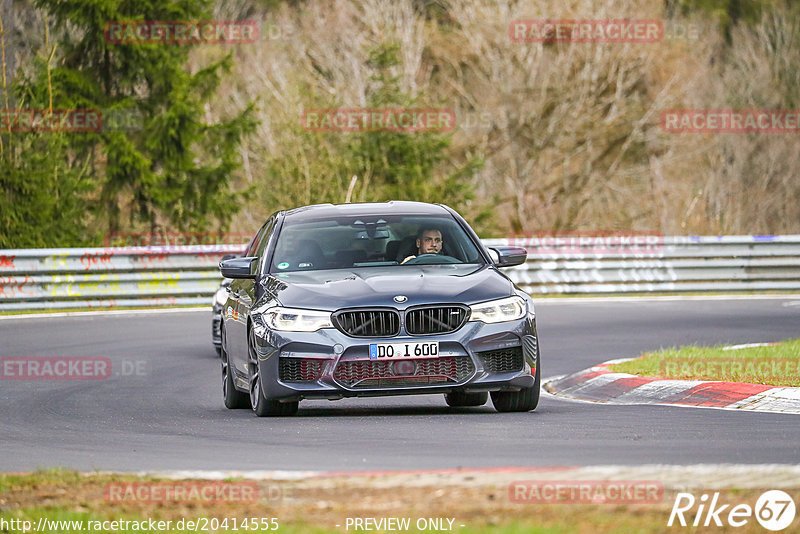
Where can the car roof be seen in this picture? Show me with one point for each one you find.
(392, 207)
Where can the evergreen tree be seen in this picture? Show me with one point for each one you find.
(172, 167)
(43, 181)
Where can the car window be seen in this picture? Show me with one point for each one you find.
(363, 242)
(258, 239)
(251, 246)
(264, 236)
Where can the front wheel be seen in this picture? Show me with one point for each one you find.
(519, 401)
(233, 398)
(262, 406)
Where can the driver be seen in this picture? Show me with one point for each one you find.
(429, 241)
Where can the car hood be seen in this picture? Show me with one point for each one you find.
(377, 286)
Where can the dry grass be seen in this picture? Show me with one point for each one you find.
(320, 505)
(569, 132)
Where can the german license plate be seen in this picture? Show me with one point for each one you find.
(398, 351)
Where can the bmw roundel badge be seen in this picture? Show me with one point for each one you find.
(400, 298)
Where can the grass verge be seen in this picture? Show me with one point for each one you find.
(776, 365)
(324, 505)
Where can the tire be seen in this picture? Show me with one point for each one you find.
(458, 399)
(519, 401)
(233, 398)
(262, 406)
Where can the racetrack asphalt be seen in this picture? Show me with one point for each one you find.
(161, 407)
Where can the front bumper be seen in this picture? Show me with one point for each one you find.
(328, 364)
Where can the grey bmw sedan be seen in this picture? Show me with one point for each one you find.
(367, 300)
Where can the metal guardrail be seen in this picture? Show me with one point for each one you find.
(178, 275)
(642, 264)
(110, 277)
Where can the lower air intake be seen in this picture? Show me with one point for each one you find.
(300, 369)
(410, 372)
(502, 361)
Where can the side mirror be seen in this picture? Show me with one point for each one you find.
(238, 267)
(509, 256)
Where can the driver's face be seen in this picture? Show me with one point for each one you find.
(430, 242)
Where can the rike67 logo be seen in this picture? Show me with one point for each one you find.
(774, 510)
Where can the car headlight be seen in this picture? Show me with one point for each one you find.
(498, 311)
(296, 320)
(221, 296)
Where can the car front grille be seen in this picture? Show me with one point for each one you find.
(435, 319)
(368, 323)
(383, 322)
(502, 361)
(300, 369)
(408, 372)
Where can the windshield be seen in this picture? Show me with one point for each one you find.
(374, 241)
